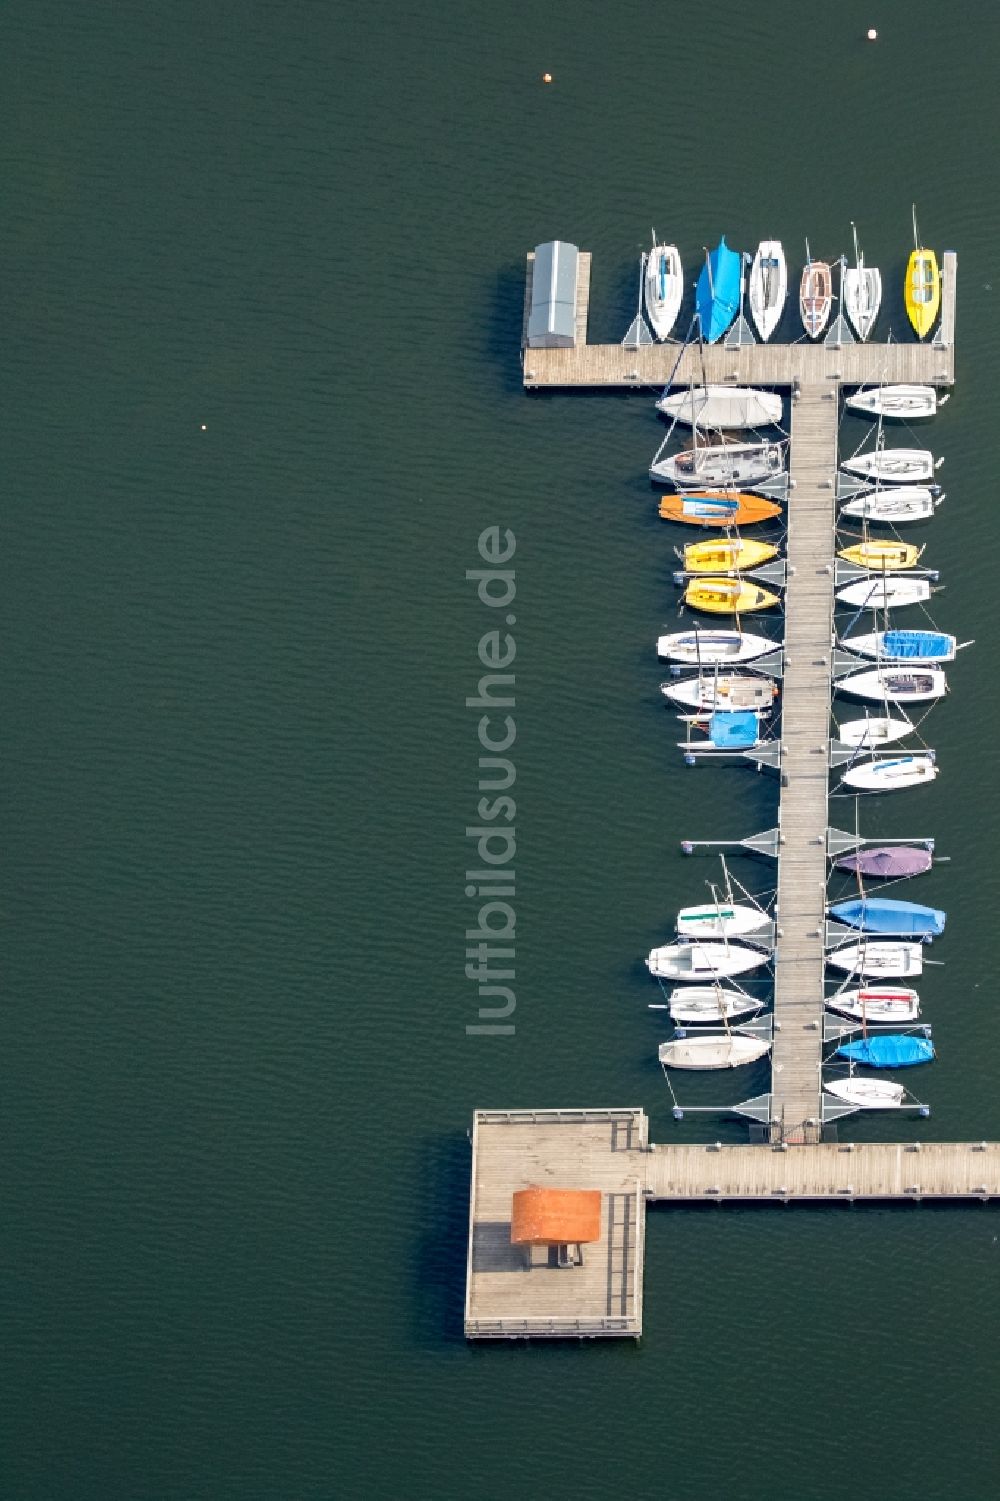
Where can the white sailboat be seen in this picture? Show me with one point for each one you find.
(882, 1005)
(861, 292)
(893, 466)
(896, 403)
(710, 1003)
(872, 731)
(881, 959)
(695, 961)
(731, 691)
(896, 685)
(866, 1093)
(722, 466)
(730, 1051)
(885, 591)
(903, 646)
(664, 287)
(897, 506)
(721, 917)
(768, 286)
(722, 407)
(892, 773)
(706, 647)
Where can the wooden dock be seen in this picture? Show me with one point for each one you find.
(511, 1295)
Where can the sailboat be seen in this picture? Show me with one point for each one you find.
(890, 861)
(710, 1003)
(881, 556)
(717, 296)
(894, 919)
(734, 555)
(867, 1093)
(693, 960)
(861, 292)
(895, 685)
(706, 647)
(726, 730)
(722, 407)
(721, 919)
(717, 508)
(872, 731)
(729, 1051)
(768, 286)
(722, 466)
(897, 506)
(880, 959)
(728, 596)
(896, 403)
(722, 691)
(903, 646)
(888, 1050)
(664, 287)
(892, 773)
(885, 592)
(815, 295)
(881, 1004)
(923, 285)
(894, 466)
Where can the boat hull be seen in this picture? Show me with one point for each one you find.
(885, 592)
(898, 506)
(872, 731)
(717, 508)
(724, 692)
(693, 961)
(708, 647)
(889, 861)
(893, 466)
(768, 287)
(895, 403)
(694, 1004)
(815, 297)
(717, 295)
(663, 285)
(879, 1005)
(861, 292)
(903, 646)
(724, 596)
(895, 687)
(886, 961)
(725, 556)
(891, 773)
(724, 920)
(882, 557)
(892, 919)
(923, 290)
(712, 1052)
(723, 408)
(867, 1094)
(722, 466)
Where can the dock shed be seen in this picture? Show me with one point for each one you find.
(552, 314)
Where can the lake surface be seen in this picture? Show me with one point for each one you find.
(262, 285)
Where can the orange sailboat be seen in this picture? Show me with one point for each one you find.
(717, 508)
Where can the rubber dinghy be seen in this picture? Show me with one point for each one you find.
(893, 1050)
(881, 914)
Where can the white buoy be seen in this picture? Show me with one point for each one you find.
(872, 34)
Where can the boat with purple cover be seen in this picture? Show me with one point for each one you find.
(888, 861)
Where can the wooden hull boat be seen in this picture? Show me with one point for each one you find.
(768, 286)
(903, 646)
(879, 959)
(896, 685)
(923, 291)
(872, 731)
(718, 508)
(893, 466)
(882, 557)
(710, 1003)
(663, 285)
(897, 506)
(892, 773)
(729, 556)
(880, 1005)
(721, 920)
(895, 403)
(722, 466)
(705, 648)
(712, 1052)
(867, 1094)
(695, 961)
(722, 596)
(722, 407)
(815, 297)
(885, 592)
(730, 691)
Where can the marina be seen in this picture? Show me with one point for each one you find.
(794, 1154)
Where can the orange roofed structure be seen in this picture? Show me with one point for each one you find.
(555, 1216)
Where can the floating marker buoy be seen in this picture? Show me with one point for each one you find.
(546, 77)
(687, 847)
(872, 34)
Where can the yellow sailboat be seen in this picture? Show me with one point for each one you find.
(882, 557)
(720, 596)
(729, 556)
(923, 285)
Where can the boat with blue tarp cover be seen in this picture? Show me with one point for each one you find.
(903, 646)
(718, 292)
(881, 914)
(734, 730)
(897, 1050)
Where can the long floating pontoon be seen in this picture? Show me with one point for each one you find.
(598, 1290)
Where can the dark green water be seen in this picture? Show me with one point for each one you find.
(237, 762)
